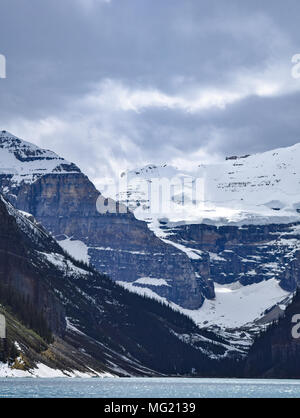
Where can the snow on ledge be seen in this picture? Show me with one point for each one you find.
(235, 305)
(152, 281)
(75, 248)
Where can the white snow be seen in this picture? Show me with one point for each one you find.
(65, 265)
(77, 249)
(17, 345)
(26, 214)
(6, 371)
(192, 253)
(43, 371)
(72, 327)
(152, 281)
(56, 259)
(234, 306)
(216, 257)
(145, 291)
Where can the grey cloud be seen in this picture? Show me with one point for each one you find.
(58, 51)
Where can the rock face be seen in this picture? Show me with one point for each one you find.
(118, 245)
(63, 199)
(248, 254)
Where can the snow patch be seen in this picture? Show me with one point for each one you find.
(151, 281)
(235, 305)
(43, 371)
(190, 252)
(76, 249)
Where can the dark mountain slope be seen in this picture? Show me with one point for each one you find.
(276, 352)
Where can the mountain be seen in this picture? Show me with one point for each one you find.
(63, 199)
(207, 252)
(64, 318)
(237, 221)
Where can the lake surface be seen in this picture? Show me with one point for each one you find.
(148, 388)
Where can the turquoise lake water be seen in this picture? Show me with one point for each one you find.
(149, 388)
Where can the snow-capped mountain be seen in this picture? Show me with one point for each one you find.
(257, 189)
(240, 228)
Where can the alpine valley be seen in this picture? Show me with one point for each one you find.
(207, 289)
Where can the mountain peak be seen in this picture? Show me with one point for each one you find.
(26, 161)
(18, 146)
(7, 135)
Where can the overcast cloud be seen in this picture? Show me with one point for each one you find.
(118, 84)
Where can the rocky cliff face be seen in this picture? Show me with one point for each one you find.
(64, 201)
(248, 254)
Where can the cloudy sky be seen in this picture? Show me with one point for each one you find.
(116, 84)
